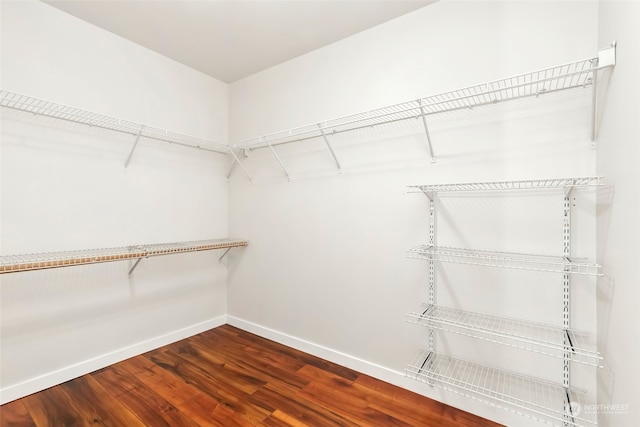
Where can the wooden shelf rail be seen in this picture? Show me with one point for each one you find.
(42, 261)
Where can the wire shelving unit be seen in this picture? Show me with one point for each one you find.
(528, 396)
(37, 106)
(42, 261)
(535, 337)
(579, 74)
(528, 184)
(567, 76)
(551, 264)
(531, 397)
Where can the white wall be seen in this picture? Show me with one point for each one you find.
(326, 270)
(64, 187)
(618, 213)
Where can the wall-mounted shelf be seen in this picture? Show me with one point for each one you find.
(534, 398)
(58, 111)
(574, 75)
(552, 264)
(41, 261)
(528, 184)
(531, 397)
(531, 336)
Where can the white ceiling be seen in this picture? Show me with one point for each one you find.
(230, 40)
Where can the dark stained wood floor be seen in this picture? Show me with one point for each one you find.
(228, 377)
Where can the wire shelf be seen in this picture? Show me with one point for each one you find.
(41, 261)
(535, 337)
(528, 396)
(577, 74)
(532, 184)
(42, 107)
(552, 264)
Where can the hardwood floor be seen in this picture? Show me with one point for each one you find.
(228, 377)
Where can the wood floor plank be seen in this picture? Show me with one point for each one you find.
(172, 388)
(305, 411)
(225, 372)
(15, 414)
(307, 359)
(227, 377)
(281, 419)
(412, 407)
(256, 363)
(116, 381)
(231, 418)
(201, 410)
(403, 405)
(149, 406)
(342, 399)
(224, 393)
(228, 338)
(96, 406)
(53, 408)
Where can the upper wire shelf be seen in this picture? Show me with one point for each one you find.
(551, 264)
(528, 396)
(535, 337)
(572, 75)
(532, 184)
(40, 261)
(46, 108)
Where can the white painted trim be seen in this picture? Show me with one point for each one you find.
(67, 373)
(360, 365)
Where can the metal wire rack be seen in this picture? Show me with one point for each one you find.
(41, 261)
(530, 184)
(552, 264)
(46, 108)
(573, 75)
(535, 337)
(538, 399)
(562, 77)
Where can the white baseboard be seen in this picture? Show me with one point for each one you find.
(59, 376)
(374, 370)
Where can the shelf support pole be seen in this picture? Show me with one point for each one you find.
(566, 302)
(326, 141)
(236, 160)
(133, 148)
(432, 267)
(594, 104)
(426, 130)
(273, 151)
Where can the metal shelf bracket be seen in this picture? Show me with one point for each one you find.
(326, 141)
(273, 151)
(426, 130)
(133, 267)
(602, 65)
(133, 148)
(224, 254)
(236, 160)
